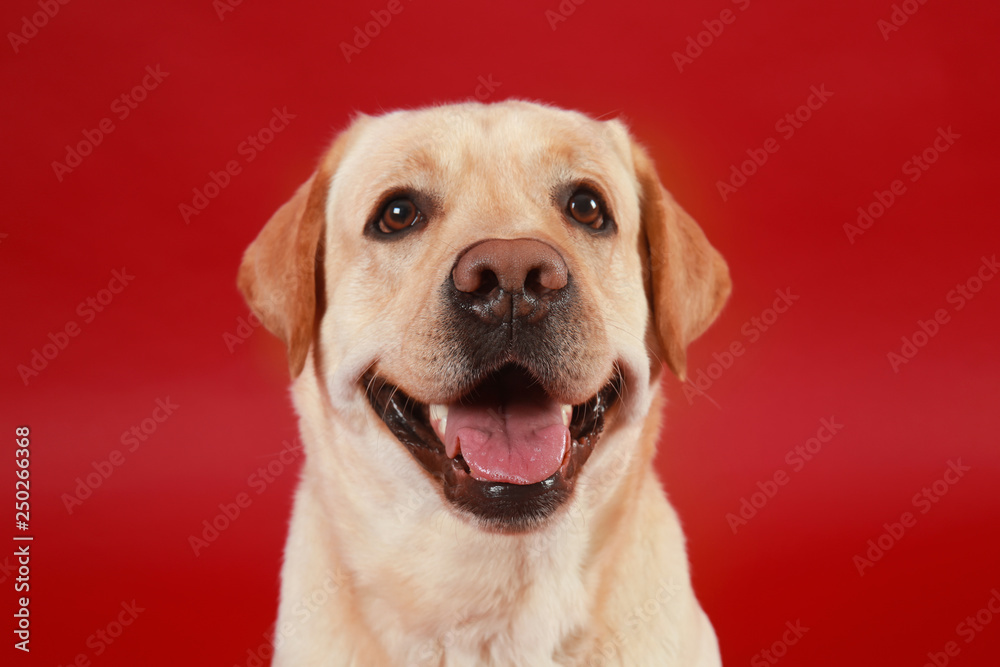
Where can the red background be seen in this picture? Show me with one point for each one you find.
(826, 357)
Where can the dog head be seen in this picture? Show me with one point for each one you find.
(498, 284)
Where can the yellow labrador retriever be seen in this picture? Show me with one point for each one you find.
(477, 302)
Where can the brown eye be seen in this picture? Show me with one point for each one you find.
(398, 215)
(586, 209)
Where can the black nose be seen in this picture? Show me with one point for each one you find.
(504, 279)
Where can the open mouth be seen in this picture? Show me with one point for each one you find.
(506, 451)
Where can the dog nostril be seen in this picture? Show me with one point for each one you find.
(488, 282)
(533, 283)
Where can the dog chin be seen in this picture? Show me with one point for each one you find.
(506, 452)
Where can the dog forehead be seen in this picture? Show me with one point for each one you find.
(520, 147)
(506, 131)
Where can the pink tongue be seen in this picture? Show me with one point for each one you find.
(508, 434)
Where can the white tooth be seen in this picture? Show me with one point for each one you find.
(439, 418)
(567, 414)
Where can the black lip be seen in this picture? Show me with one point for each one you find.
(501, 507)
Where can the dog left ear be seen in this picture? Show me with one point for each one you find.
(689, 279)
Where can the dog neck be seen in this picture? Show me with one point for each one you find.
(410, 581)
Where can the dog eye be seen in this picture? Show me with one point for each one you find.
(398, 215)
(585, 208)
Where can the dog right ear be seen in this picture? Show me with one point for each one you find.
(283, 267)
(278, 272)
